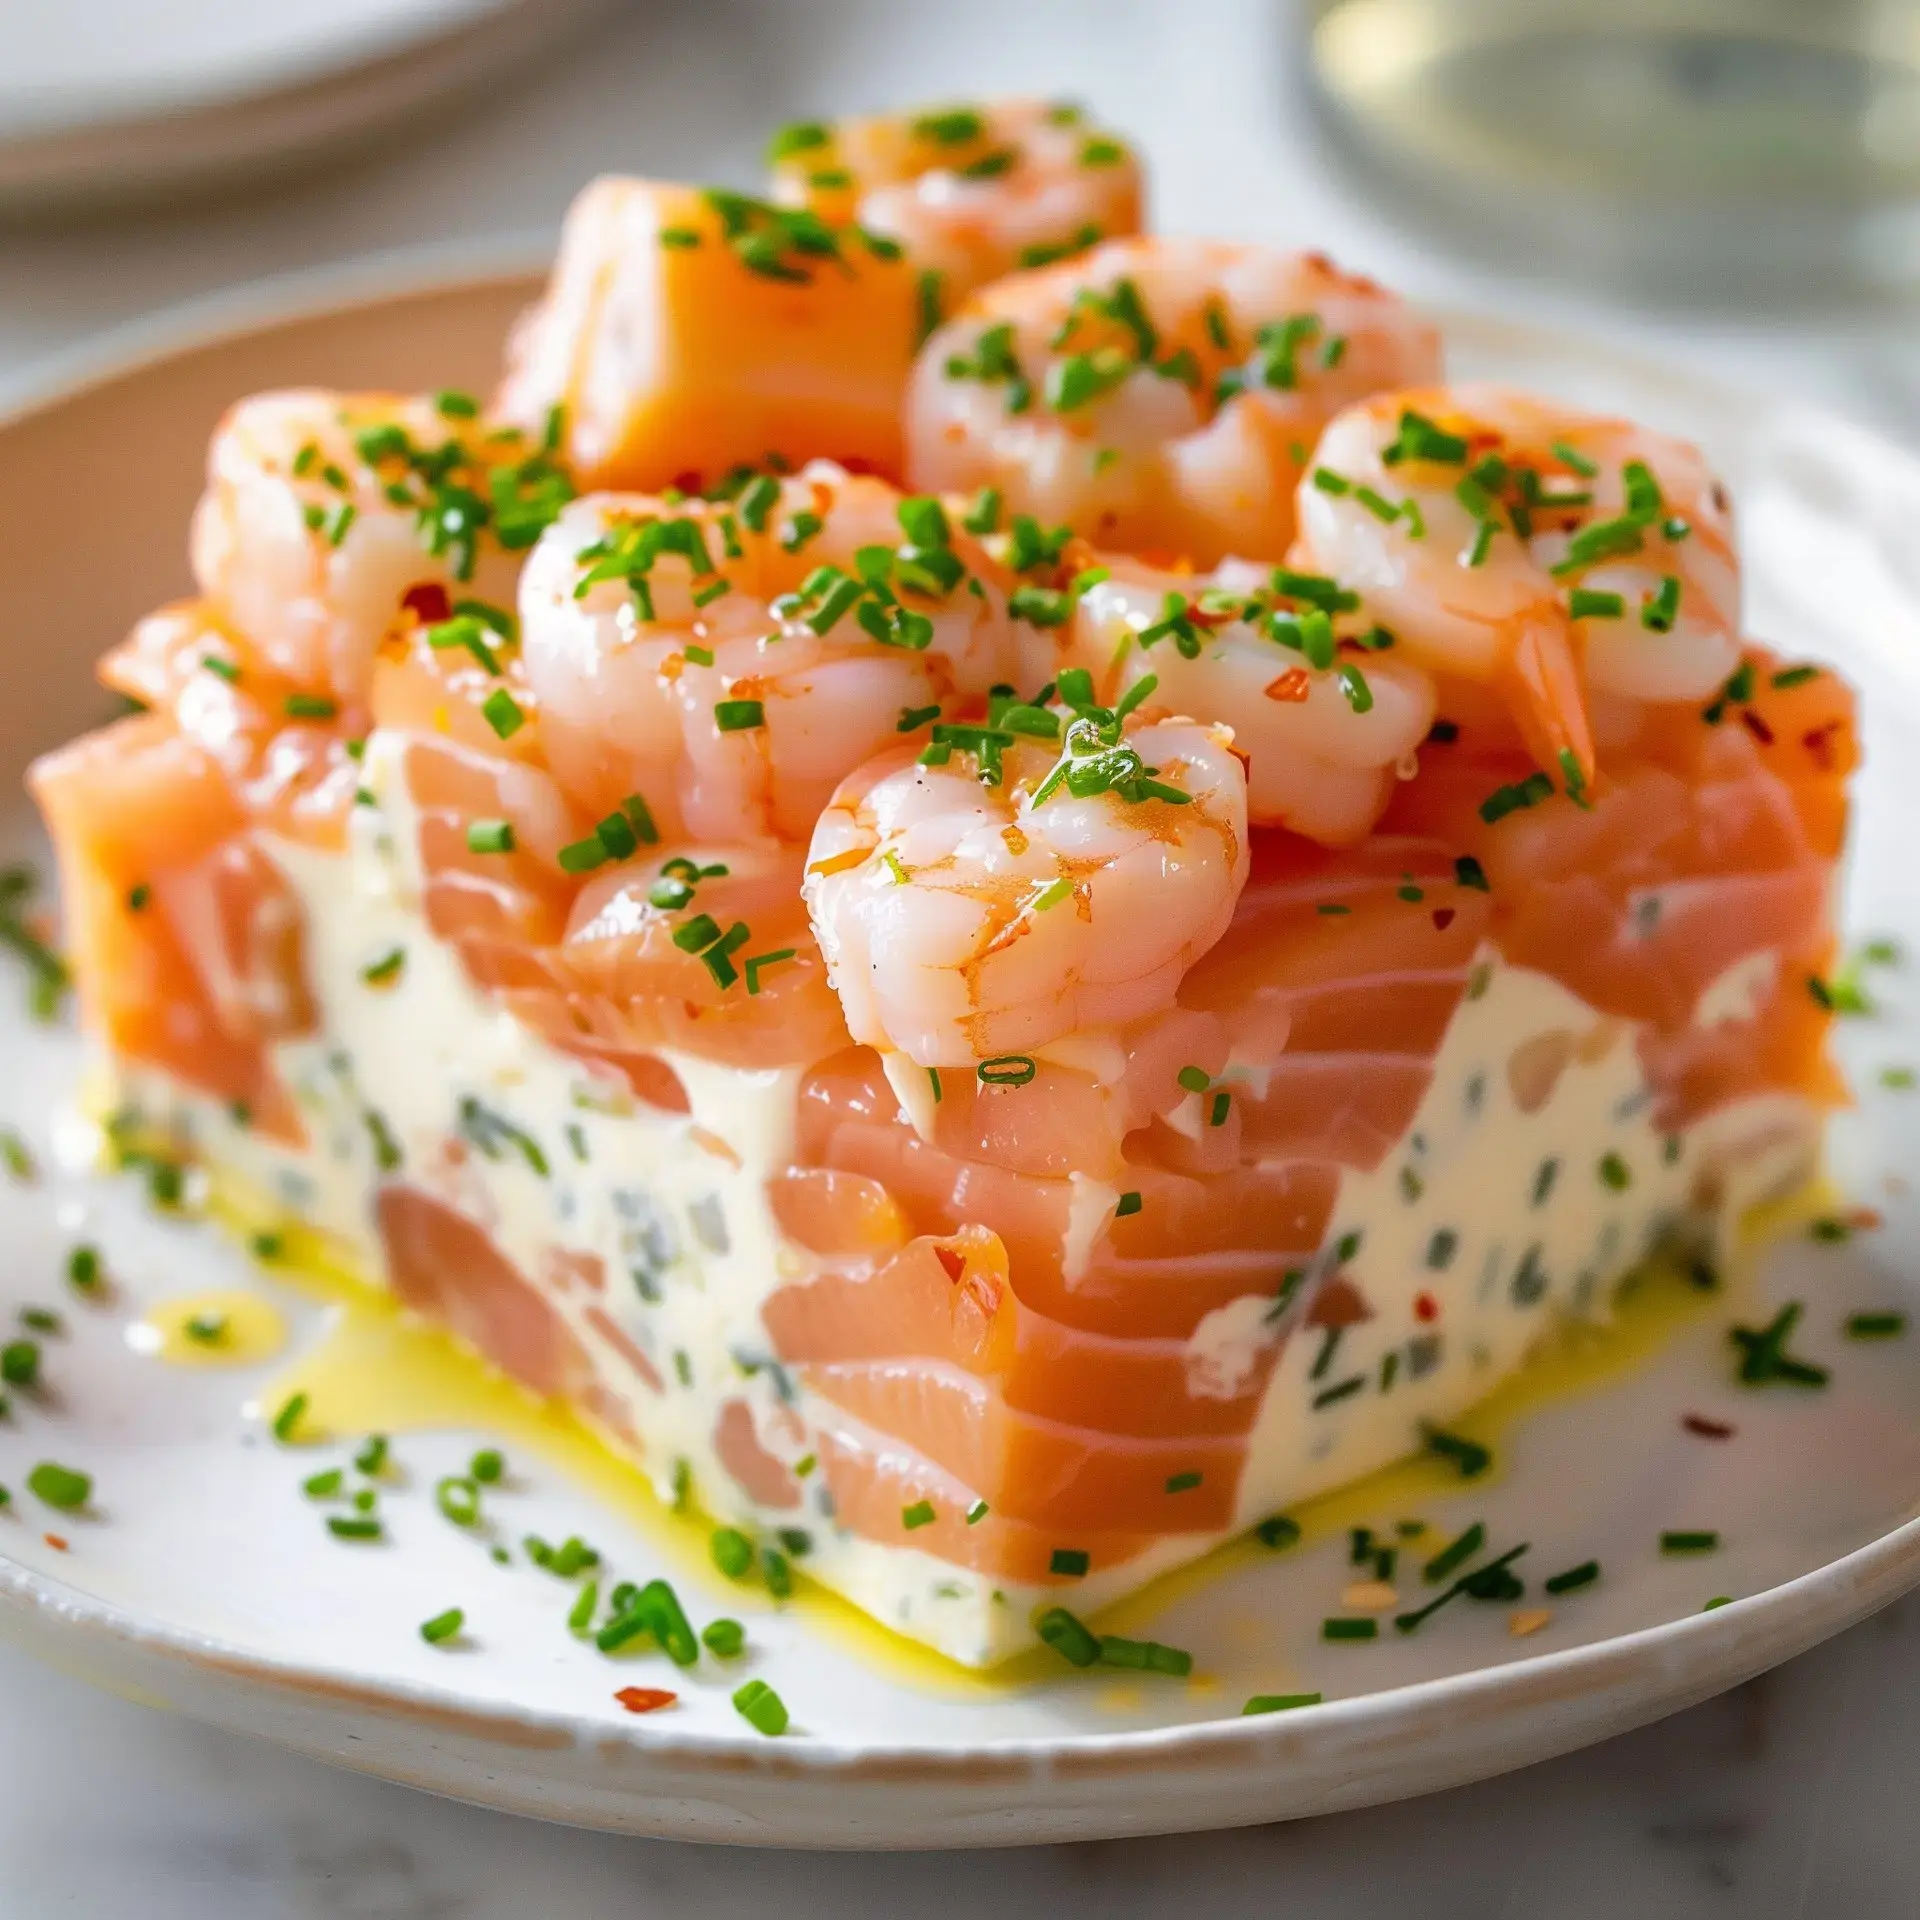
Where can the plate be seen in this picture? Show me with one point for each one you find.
(123, 101)
(201, 1578)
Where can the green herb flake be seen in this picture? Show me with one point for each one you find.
(1279, 1702)
(442, 1627)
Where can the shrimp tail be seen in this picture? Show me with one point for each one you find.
(1542, 687)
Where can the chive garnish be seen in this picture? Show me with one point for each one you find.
(725, 1639)
(63, 1488)
(1279, 1702)
(442, 1627)
(761, 1708)
(490, 836)
(1182, 1482)
(1450, 1557)
(288, 1418)
(1068, 1636)
(1277, 1531)
(1689, 1542)
(1875, 1326)
(976, 1513)
(1764, 1358)
(458, 1499)
(1070, 1561)
(1468, 1455)
(1339, 1628)
(1144, 1656)
(323, 1486)
(920, 1514)
(1574, 1578)
(353, 1526)
(732, 1552)
(20, 1363)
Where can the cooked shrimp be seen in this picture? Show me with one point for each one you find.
(1325, 722)
(1507, 540)
(730, 662)
(323, 510)
(1158, 395)
(971, 925)
(689, 330)
(971, 192)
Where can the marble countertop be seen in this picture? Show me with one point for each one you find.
(1785, 1800)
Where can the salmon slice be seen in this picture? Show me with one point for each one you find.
(1358, 958)
(947, 1301)
(447, 1267)
(187, 940)
(875, 1483)
(1194, 1244)
(684, 332)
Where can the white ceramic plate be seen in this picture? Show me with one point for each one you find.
(203, 1580)
(120, 100)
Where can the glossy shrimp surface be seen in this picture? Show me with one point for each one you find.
(965, 923)
(971, 191)
(1326, 720)
(1160, 395)
(323, 510)
(731, 661)
(1530, 547)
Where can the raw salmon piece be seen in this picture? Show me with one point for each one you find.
(875, 1482)
(946, 1301)
(187, 941)
(447, 1267)
(684, 332)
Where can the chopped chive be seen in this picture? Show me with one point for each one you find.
(920, 1514)
(976, 1513)
(1128, 1203)
(1070, 1561)
(1183, 1482)
(490, 836)
(1277, 1531)
(1450, 1557)
(1586, 604)
(378, 972)
(1875, 1326)
(311, 706)
(732, 1552)
(458, 1500)
(353, 1526)
(1144, 1656)
(725, 1639)
(20, 1363)
(288, 1418)
(1279, 1702)
(1338, 1628)
(1614, 1172)
(761, 1708)
(1468, 1455)
(1068, 1637)
(1468, 872)
(1584, 1575)
(502, 712)
(323, 1486)
(221, 669)
(62, 1488)
(1689, 1542)
(580, 1614)
(442, 1627)
(739, 716)
(1764, 1358)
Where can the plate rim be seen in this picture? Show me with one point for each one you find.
(1741, 1638)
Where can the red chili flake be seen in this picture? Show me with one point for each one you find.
(1864, 1220)
(1818, 742)
(646, 1699)
(1293, 686)
(953, 1263)
(1756, 726)
(55, 1541)
(427, 601)
(1442, 919)
(1705, 1428)
(1425, 1307)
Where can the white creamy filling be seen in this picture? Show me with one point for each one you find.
(1465, 1247)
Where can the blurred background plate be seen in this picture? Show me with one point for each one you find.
(118, 101)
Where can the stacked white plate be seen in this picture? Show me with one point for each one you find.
(110, 101)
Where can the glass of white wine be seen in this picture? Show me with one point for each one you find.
(1700, 146)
